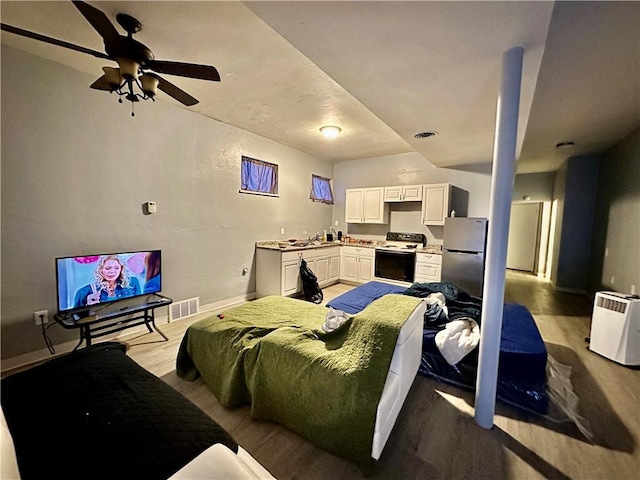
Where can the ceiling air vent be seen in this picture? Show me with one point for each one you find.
(425, 134)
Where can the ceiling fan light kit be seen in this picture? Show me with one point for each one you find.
(133, 59)
(112, 77)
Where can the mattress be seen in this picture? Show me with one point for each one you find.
(522, 374)
(523, 354)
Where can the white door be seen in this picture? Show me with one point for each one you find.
(290, 277)
(349, 267)
(353, 205)
(373, 211)
(523, 236)
(365, 269)
(334, 268)
(435, 204)
(322, 270)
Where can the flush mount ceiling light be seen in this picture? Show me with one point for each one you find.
(564, 145)
(330, 131)
(425, 134)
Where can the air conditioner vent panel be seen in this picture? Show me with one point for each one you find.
(184, 308)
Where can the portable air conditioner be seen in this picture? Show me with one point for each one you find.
(615, 327)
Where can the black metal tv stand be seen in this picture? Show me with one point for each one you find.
(111, 319)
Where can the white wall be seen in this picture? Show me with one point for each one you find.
(76, 169)
(407, 169)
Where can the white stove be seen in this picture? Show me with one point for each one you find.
(403, 242)
(396, 259)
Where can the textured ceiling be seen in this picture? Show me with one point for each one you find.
(383, 71)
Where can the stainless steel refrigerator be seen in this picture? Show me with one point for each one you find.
(463, 253)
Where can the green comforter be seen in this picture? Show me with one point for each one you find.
(273, 353)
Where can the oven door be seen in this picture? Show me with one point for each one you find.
(395, 265)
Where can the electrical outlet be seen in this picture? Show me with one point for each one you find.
(613, 279)
(282, 231)
(336, 223)
(45, 316)
(633, 289)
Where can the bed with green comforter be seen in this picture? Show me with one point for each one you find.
(273, 353)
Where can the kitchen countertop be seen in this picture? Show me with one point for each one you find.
(273, 245)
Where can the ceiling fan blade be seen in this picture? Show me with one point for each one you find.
(101, 84)
(191, 70)
(98, 20)
(173, 91)
(53, 41)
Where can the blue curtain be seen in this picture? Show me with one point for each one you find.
(259, 176)
(321, 190)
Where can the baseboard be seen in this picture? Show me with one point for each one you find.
(38, 356)
(580, 291)
(229, 302)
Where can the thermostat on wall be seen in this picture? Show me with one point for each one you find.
(151, 207)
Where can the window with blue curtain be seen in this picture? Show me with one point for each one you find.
(258, 176)
(321, 190)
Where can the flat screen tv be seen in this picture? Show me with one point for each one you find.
(91, 280)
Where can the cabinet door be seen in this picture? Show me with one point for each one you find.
(354, 202)
(435, 204)
(365, 269)
(412, 193)
(290, 277)
(374, 209)
(334, 268)
(322, 270)
(392, 194)
(349, 267)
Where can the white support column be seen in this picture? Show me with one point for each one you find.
(504, 151)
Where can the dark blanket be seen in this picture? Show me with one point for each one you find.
(95, 413)
(459, 303)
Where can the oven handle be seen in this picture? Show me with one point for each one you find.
(394, 252)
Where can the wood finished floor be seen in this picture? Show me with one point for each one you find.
(435, 436)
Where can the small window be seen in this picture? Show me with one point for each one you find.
(258, 177)
(321, 190)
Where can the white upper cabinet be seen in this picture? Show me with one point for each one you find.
(435, 203)
(365, 205)
(403, 193)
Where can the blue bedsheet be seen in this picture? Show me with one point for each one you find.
(355, 300)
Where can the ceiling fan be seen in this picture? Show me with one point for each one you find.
(136, 63)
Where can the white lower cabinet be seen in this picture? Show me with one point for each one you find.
(428, 267)
(357, 264)
(278, 272)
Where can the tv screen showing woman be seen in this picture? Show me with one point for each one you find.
(95, 279)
